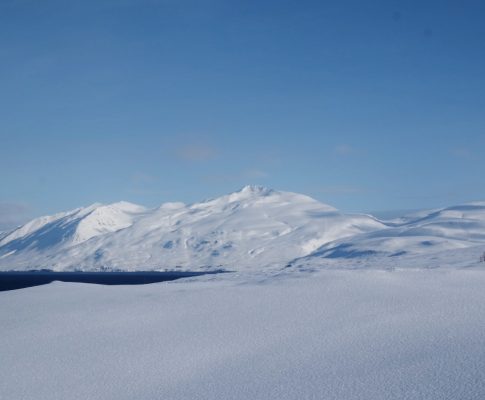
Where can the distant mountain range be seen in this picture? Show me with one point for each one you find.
(251, 229)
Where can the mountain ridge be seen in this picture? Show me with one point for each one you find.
(251, 229)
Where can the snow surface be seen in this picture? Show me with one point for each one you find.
(372, 334)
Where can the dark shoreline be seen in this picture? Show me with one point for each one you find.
(12, 280)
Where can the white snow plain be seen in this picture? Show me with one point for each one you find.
(368, 334)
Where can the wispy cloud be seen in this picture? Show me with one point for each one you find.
(141, 183)
(247, 176)
(196, 152)
(13, 215)
(140, 178)
(344, 150)
(254, 174)
(462, 152)
(340, 190)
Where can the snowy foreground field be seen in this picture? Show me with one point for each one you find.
(334, 334)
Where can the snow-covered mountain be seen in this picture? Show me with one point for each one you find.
(251, 229)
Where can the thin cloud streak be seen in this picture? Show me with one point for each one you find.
(246, 176)
(196, 153)
(344, 150)
(340, 190)
(13, 215)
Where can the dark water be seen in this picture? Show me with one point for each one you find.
(18, 280)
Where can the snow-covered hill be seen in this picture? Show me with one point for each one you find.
(252, 229)
(46, 235)
(453, 236)
(73, 227)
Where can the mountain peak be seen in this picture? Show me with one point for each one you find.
(256, 189)
(248, 192)
(127, 206)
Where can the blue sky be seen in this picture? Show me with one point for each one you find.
(372, 105)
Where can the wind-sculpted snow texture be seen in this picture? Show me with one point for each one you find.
(249, 230)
